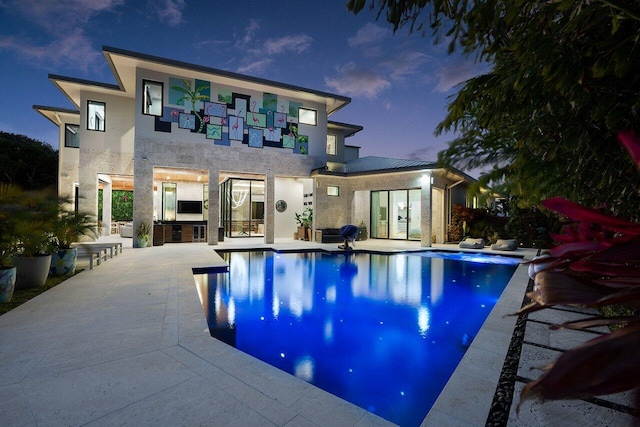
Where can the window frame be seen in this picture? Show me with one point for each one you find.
(335, 190)
(66, 135)
(334, 145)
(307, 111)
(146, 82)
(104, 118)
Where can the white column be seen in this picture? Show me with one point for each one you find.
(425, 212)
(269, 207)
(214, 207)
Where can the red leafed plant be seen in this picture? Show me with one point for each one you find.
(597, 264)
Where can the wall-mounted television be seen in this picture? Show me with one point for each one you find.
(189, 206)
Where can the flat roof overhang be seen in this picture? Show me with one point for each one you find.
(124, 63)
(58, 116)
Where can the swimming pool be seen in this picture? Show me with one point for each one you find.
(383, 331)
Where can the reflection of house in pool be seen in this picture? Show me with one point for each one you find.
(179, 132)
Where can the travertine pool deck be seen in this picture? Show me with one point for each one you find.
(127, 344)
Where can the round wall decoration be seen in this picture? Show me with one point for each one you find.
(281, 206)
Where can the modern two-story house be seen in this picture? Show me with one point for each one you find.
(209, 154)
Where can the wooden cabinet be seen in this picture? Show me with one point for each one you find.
(182, 233)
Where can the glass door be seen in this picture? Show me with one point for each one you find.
(413, 215)
(399, 214)
(257, 208)
(242, 207)
(396, 214)
(379, 215)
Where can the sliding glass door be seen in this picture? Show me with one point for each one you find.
(242, 207)
(395, 214)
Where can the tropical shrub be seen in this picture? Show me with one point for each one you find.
(596, 264)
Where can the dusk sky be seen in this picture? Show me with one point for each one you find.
(399, 84)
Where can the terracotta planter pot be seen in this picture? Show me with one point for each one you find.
(63, 262)
(31, 271)
(7, 283)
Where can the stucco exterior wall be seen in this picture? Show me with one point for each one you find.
(108, 152)
(145, 123)
(353, 204)
(68, 158)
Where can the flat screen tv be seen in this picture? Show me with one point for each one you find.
(189, 206)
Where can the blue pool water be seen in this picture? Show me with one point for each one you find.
(384, 332)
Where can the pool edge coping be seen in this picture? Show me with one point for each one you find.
(462, 402)
(453, 400)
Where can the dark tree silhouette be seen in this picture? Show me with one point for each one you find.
(27, 163)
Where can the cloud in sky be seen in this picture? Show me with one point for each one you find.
(296, 43)
(456, 72)
(429, 153)
(55, 16)
(255, 67)
(62, 25)
(170, 11)
(71, 50)
(368, 34)
(249, 33)
(367, 40)
(259, 54)
(405, 64)
(357, 81)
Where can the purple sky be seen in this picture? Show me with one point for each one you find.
(399, 84)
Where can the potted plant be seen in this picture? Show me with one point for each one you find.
(8, 243)
(68, 227)
(142, 234)
(33, 231)
(305, 222)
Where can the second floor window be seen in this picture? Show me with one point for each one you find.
(331, 144)
(71, 136)
(152, 98)
(96, 115)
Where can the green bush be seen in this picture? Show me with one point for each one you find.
(121, 205)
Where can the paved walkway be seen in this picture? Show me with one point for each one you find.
(127, 344)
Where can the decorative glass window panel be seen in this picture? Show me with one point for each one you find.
(152, 98)
(333, 190)
(331, 145)
(71, 136)
(96, 115)
(307, 116)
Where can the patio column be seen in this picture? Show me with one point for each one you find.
(143, 197)
(269, 207)
(214, 207)
(106, 208)
(425, 211)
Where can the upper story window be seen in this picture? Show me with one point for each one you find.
(95, 115)
(152, 98)
(71, 136)
(331, 144)
(307, 116)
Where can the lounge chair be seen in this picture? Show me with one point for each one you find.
(471, 243)
(505, 245)
(349, 233)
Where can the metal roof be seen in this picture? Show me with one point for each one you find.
(379, 164)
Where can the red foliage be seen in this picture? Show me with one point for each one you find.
(596, 264)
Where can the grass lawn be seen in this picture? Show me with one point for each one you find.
(20, 296)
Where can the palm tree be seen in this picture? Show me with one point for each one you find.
(192, 96)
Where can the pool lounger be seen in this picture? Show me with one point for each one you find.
(471, 243)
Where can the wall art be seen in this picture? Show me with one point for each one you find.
(255, 138)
